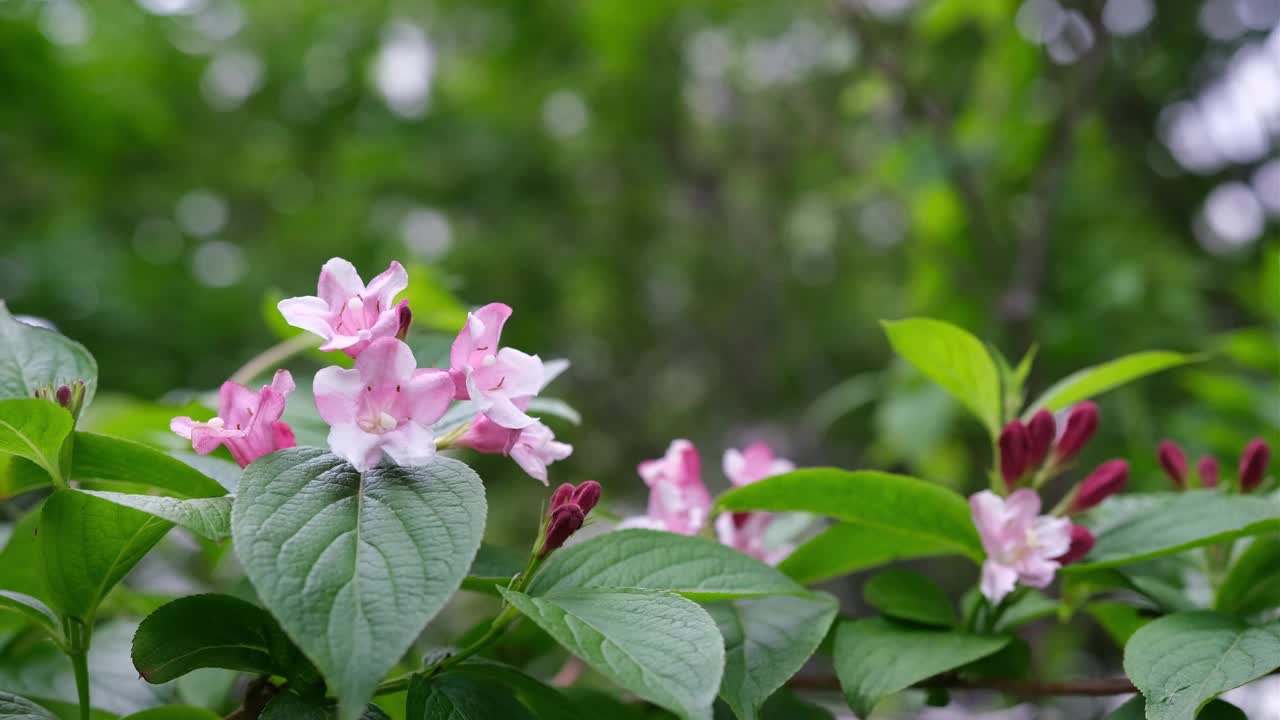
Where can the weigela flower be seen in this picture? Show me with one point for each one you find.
(496, 380)
(533, 447)
(348, 314)
(746, 531)
(678, 501)
(385, 404)
(1022, 545)
(755, 462)
(248, 423)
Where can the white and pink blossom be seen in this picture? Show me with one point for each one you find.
(678, 500)
(1022, 545)
(746, 531)
(348, 314)
(533, 447)
(248, 423)
(498, 380)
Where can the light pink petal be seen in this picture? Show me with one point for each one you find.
(644, 522)
(523, 373)
(501, 410)
(552, 369)
(997, 581)
(778, 467)
(235, 403)
(206, 438)
(1023, 505)
(534, 465)
(341, 342)
(690, 464)
(386, 361)
(726, 531)
(361, 449)
(988, 516)
(426, 396)
(282, 383)
(387, 285)
(183, 426)
(1037, 572)
(410, 444)
(734, 466)
(1053, 536)
(337, 393)
(283, 435)
(308, 313)
(339, 282)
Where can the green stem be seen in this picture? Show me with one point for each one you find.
(273, 356)
(78, 636)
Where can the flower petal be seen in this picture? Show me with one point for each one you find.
(361, 449)
(337, 392)
(410, 444)
(426, 396)
(339, 282)
(387, 285)
(997, 581)
(309, 313)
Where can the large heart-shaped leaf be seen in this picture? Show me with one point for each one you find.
(208, 517)
(354, 565)
(35, 430)
(456, 696)
(88, 544)
(101, 457)
(32, 356)
(1136, 709)
(845, 548)
(904, 512)
(1095, 380)
(659, 645)
(954, 359)
(1182, 661)
(876, 658)
(1172, 522)
(766, 641)
(698, 568)
(217, 631)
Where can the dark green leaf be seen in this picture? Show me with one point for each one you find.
(14, 707)
(35, 430)
(784, 705)
(1136, 709)
(767, 640)
(1182, 661)
(1031, 606)
(876, 658)
(698, 568)
(353, 566)
(289, 706)
(21, 568)
(100, 457)
(88, 544)
(1253, 585)
(546, 702)
(218, 631)
(462, 697)
(1092, 381)
(954, 359)
(658, 645)
(33, 610)
(910, 596)
(208, 517)
(174, 712)
(32, 356)
(846, 548)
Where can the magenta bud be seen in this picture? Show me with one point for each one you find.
(1108, 479)
(740, 519)
(561, 496)
(1207, 469)
(1013, 452)
(1174, 462)
(63, 396)
(565, 521)
(1082, 423)
(405, 317)
(1040, 431)
(586, 496)
(1253, 464)
(1081, 544)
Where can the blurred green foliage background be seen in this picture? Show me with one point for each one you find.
(706, 205)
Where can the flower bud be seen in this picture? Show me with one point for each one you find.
(586, 496)
(405, 317)
(1108, 479)
(565, 521)
(70, 396)
(1174, 462)
(1207, 469)
(63, 396)
(561, 496)
(1081, 544)
(1013, 453)
(1253, 464)
(1082, 423)
(1040, 432)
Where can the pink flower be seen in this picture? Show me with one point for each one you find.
(756, 462)
(248, 423)
(348, 314)
(385, 404)
(678, 501)
(496, 380)
(533, 447)
(1021, 544)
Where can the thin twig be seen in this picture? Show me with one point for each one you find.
(274, 355)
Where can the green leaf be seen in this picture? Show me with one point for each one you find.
(876, 658)
(218, 631)
(1095, 380)
(33, 610)
(208, 517)
(35, 430)
(174, 712)
(1136, 709)
(32, 356)
(1182, 661)
(767, 640)
(14, 707)
(698, 568)
(905, 513)
(353, 566)
(290, 706)
(1253, 585)
(1173, 522)
(908, 595)
(659, 645)
(493, 566)
(844, 548)
(954, 359)
(546, 702)
(19, 475)
(21, 568)
(1031, 606)
(454, 696)
(88, 544)
(100, 457)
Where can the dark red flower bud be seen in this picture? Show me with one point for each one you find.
(1207, 469)
(405, 316)
(586, 496)
(1081, 544)
(565, 521)
(740, 519)
(63, 396)
(1108, 479)
(1040, 431)
(1082, 423)
(1174, 462)
(560, 497)
(1253, 464)
(1013, 452)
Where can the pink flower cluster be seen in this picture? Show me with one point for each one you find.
(386, 405)
(679, 501)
